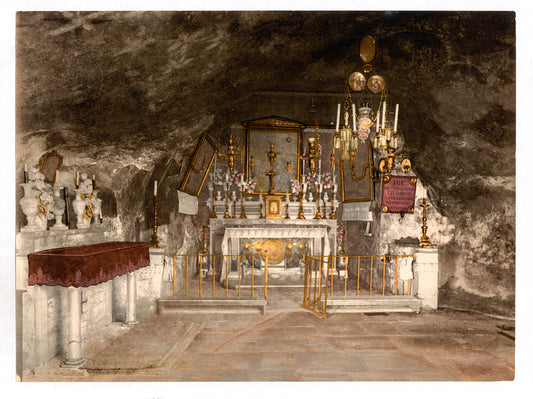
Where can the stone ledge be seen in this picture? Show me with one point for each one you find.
(211, 304)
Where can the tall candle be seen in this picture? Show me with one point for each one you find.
(384, 114)
(353, 115)
(377, 123)
(396, 117)
(77, 178)
(338, 117)
(319, 167)
(25, 167)
(155, 187)
(57, 176)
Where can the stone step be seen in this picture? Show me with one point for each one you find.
(372, 304)
(210, 304)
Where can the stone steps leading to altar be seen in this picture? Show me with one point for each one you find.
(372, 304)
(197, 305)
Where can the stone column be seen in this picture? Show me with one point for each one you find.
(426, 277)
(75, 342)
(131, 298)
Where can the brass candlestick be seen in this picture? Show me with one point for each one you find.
(226, 214)
(332, 213)
(67, 213)
(317, 214)
(261, 211)
(243, 213)
(424, 240)
(301, 211)
(154, 242)
(324, 203)
(26, 176)
(203, 251)
(213, 211)
(287, 211)
(233, 216)
(272, 155)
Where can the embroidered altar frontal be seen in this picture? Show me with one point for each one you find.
(86, 265)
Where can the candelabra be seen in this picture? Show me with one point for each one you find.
(213, 211)
(154, 242)
(317, 214)
(243, 213)
(332, 213)
(301, 211)
(226, 213)
(424, 240)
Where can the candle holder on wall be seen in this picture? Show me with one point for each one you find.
(154, 242)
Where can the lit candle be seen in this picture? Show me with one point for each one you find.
(155, 187)
(377, 123)
(396, 117)
(384, 113)
(353, 115)
(25, 167)
(77, 178)
(338, 117)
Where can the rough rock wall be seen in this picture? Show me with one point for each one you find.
(125, 95)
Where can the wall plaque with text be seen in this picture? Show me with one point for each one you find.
(398, 194)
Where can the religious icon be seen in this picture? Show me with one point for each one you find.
(376, 84)
(357, 81)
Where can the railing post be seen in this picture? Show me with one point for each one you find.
(239, 272)
(383, 280)
(252, 290)
(358, 268)
(200, 279)
(174, 275)
(213, 263)
(371, 264)
(186, 275)
(306, 282)
(266, 274)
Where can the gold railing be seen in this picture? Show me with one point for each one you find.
(319, 280)
(198, 267)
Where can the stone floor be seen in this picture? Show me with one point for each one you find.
(291, 344)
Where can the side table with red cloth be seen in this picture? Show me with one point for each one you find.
(86, 265)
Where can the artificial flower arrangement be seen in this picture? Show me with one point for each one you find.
(250, 186)
(295, 186)
(327, 180)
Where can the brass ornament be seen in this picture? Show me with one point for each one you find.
(406, 165)
(357, 81)
(412, 180)
(384, 209)
(376, 84)
(275, 248)
(367, 49)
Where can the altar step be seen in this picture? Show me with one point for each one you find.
(372, 304)
(208, 304)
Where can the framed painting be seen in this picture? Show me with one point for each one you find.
(357, 180)
(49, 164)
(199, 166)
(285, 136)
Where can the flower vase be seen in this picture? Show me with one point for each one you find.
(28, 203)
(58, 210)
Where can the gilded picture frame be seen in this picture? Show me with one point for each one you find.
(357, 183)
(286, 135)
(199, 166)
(49, 164)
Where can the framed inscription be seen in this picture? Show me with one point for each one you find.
(201, 162)
(398, 194)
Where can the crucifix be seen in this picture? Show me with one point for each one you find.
(271, 156)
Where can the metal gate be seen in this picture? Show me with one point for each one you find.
(317, 283)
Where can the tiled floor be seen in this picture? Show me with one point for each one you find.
(290, 344)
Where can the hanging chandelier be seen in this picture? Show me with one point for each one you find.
(371, 116)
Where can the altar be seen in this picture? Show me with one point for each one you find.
(288, 240)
